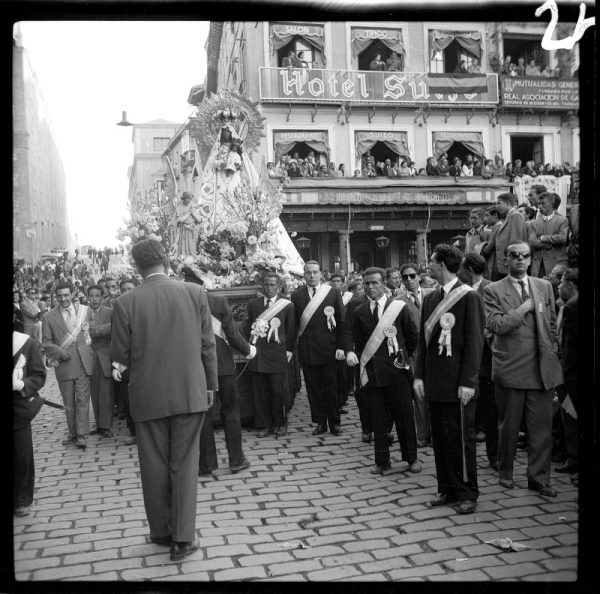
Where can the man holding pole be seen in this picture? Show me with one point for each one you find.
(446, 372)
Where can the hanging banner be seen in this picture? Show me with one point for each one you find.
(556, 185)
(401, 197)
(546, 93)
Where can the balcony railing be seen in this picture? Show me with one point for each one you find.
(300, 85)
(539, 92)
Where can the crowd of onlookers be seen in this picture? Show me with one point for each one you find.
(532, 68)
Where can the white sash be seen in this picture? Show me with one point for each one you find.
(218, 328)
(19, 339)
(312, 306)
(453, 297)
(273, 309)
(71, 337)
(377, 336)
(346, 297)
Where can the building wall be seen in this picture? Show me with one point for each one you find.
(40, 220)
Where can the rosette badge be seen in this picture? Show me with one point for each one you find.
(330, 314)
(447, 322)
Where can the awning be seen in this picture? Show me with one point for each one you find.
(283, 33)
(285, 141)
(442, 141)
(396, 141)
(362, 38)
(469, 40)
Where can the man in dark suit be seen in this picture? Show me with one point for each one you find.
(162, 332)
(67, 345)
(272, 328)
(102, 390)
(381, 334)
(511, 229)
(446, 373)
(319, 322)
(486, 411)
(520, 314)
(548, 237)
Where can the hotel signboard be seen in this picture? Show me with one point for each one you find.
(542, 93)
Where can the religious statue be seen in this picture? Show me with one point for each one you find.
(186, 219)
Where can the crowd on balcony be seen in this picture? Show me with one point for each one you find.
(532, 68)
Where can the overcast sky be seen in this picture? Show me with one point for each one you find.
(89, 72)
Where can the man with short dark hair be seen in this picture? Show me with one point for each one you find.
(533, 196)
(162, 332)
(511, 229)
(525, 367)
(381, 335)
(112, 287)
(343, 373)
(473, 238)
(67, 344)
(393, 285)
(446, 373)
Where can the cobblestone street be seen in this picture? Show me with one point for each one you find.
(306, 510)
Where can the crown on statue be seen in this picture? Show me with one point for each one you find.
(228, 115)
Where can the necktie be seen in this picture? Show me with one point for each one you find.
(416, 299)
(442, 292)
(314, 292)
(93, 315)
(268, 303)
(524, 295)
(69, 319)
(375, 312)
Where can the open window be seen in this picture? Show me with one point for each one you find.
(369, 42)
(380, 146)
(528, 47)
(457, 144)
(527, 148)
(455, 51)
(301, 142)
(298, 37)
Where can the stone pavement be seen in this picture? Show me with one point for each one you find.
(306, 510)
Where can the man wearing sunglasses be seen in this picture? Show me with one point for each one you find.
(520, 313)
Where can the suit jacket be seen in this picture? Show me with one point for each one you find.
(485, 370)
(30, 315)
(317, 344)
(101, 339)
(442, 375)
(381, 369)
(569, 340)
(512, 229)
(219, 307)
(27, 402)
(162, 332)
(271, 356)
(501, 300)
(54, 331)
(553, 249)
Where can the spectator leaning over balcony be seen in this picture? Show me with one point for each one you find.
(532, 69)
(521, 66)
(404, 170)
(461, 68)
(302, 61)
(331, 171)
(430, 166)
(442, 168)
(377, 63)
(271, 169)
(456, 167)
(291, 61)
(529, 169)
(547, 236)
(477, 166)
(341, 170)
(369, 171)
(388, 168)
(294, 170)
(394, 63)
(323, 171)
(539, 168)
(487, 169)
(411, 167)
(499, 167)
(474, 68)
(506, 65)
(518, 170)
(356, 173)
(512, 70)
(422, 172)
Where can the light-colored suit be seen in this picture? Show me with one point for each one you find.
(553, 249)
(511, 230)
(525, 370)
(76, 365)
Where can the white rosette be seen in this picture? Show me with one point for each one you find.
(447, 322)
(329, 312)
(85, 328)
(390, 332)
(18, 368)
(259, 329)
(273, 330)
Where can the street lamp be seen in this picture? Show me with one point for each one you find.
(382, 241)
(303, 243)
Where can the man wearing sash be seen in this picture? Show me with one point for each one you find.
(272, 325)
(319, 318)
(381, 335)
(66, 342)
(446, 373)
(337, 281)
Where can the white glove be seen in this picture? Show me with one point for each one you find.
(289, 355)
(465, 394)
(18, 384)
(252, 352)
(339, 355)
(211, 397)
(419, 388)
(116, 375)
(351, 359)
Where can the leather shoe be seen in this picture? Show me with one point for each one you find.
(380, 469)
(466, 506)
(567, 468)
(544, 490)
(22, 511)
(319, 429)
(181, 550)
(367, 437)
(441, 499)
(423, 443)
(337, 430)
(479, 436)
(343, 411)
(494, 464)
(68, 440)
(160, 540)
(506, 483)
(80, 442)
(281, 431)
(415, 467)
(239, 467)
(106, 433)
(264, 432)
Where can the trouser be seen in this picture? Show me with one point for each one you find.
(269, 399)
(76, 399)
(23, 466)
(121, 390)
(422, 419)
(229, 400)
(342, 383)
(447, 449)
(397, 400)
(103, 397)
(168, 450)
(321, 388)
(569, 423)
(537, 406)
(487, 411)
